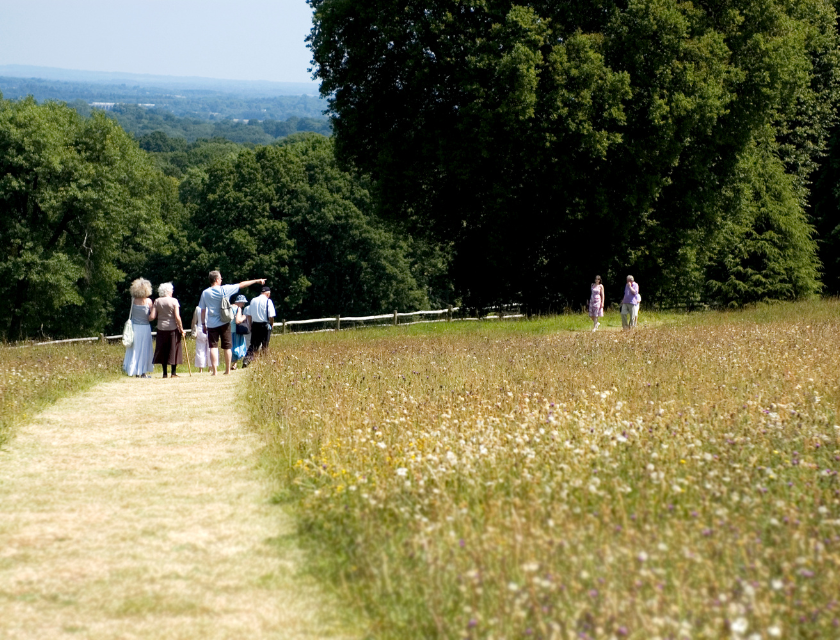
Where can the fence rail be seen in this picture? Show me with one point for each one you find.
(285, 326)
(339, 323)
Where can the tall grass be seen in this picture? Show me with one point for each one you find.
(32, 377)
(523, 480)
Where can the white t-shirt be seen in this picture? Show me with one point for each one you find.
(258, 307)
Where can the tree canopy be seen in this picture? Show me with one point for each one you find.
(288, 213)
(79, 201)
(550, 141)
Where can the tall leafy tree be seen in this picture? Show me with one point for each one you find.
(77, 197)
(549, 141)
(290, 214)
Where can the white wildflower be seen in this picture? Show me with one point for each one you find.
(739, 626)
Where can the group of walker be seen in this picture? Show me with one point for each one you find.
(629, 304)
(213, 324)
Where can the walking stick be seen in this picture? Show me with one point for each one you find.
(186, 353)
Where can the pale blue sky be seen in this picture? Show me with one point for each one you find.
(239, 40)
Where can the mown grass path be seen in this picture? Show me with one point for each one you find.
(135, 510)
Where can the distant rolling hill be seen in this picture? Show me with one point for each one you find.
(165, 83)
(191, 108)
(188, 97)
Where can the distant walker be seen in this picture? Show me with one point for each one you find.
(630, 304)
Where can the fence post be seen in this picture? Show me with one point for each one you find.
(338, 323)
(102, 338)
(449, 313)
(396, 318)
(284, 326)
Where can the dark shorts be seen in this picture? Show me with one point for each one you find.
(214, 334)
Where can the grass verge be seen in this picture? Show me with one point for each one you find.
(522, 480)
(33, 377)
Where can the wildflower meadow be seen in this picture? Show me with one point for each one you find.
(524, 480)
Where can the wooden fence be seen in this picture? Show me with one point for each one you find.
(340, 323)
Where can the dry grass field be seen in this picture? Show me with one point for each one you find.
(523, 480)
(136, 510)
(32, 377)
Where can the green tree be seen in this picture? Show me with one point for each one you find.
(289, 213)
(550, 141)
(765, 250)
(78, 197)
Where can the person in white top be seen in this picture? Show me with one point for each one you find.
(202, 348)
(261, 314)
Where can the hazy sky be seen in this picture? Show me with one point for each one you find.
(239, 40)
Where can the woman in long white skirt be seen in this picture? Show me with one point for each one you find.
(202, 348)
(138, 357)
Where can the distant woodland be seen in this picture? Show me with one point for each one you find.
(142, 120)
(179, 100)
(183, 112)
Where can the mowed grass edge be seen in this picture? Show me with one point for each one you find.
(32, 378)
(524, 480)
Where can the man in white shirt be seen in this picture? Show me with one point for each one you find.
(218, 330)
(261, 314)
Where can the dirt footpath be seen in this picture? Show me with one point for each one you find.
(136, 510)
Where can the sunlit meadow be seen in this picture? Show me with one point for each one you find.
(524, 480)
(31, 377)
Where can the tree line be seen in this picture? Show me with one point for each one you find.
(219, 100)
(483, 152)
(85, 210)
(552, 141)
(140, 121)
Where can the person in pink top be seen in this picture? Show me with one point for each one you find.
(596, 302)
(630, 304)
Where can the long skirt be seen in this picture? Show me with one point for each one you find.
(138, 357)
(240, 346)
(202, 349)
(168, 348)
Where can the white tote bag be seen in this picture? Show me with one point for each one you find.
(128, 332)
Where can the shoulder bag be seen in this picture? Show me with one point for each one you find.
(226, 312)
(128, 330)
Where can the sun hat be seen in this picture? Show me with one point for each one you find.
(240, 298)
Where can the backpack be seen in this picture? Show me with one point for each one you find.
(226, 312)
